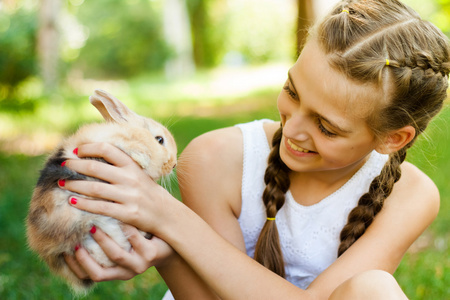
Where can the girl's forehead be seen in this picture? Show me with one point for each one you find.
(329, 90)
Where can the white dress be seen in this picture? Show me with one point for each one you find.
(309, 235)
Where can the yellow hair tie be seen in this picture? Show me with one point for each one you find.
(346, 11)
(270, 219)
(387, 62)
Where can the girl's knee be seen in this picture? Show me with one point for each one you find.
(373, 284)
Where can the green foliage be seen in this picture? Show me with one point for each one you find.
(437, 11)
(112, 39)
(17, 52)
(125, 38)
(261, 31)
(237, 32)
(431, 154)
(441, 16)
(208, 25)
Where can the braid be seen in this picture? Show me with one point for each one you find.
(268, 249)
(371, 203)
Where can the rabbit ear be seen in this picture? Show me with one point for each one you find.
(110, 107)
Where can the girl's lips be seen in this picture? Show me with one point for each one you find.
(296, 150)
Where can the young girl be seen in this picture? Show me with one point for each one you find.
(325, 202)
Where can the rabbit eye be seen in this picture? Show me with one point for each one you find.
(159, 139)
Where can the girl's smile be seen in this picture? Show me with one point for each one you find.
(297, 150)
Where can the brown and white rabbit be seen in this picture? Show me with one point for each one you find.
(53, 226)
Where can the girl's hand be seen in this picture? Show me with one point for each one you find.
(143, 255)
(127, 193)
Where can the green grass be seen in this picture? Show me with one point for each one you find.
(423, 274)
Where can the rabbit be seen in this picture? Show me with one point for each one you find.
(53, 226)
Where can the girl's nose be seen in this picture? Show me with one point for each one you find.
(296, 128)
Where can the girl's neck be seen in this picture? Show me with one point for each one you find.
(309, 188)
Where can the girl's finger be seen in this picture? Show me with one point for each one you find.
(94, 168)
(99, 207)
(140, 244)
(151, 252)
(95, 189)
(98, 273)
(108, 152)
(75, 267)
(112, 249)
(131, 262)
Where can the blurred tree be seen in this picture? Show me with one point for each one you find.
(199, 22)
(208, 25)
(125, 38)
(308, 12)
(48, 42)
(17, 51)
(177, 34)
(306, 16)
(259, 31)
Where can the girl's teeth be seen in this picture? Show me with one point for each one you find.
(297, 148)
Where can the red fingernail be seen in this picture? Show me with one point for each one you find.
(61, 182)
(75, 151)
(93, 229)
(77, 247)
(63, 163)
(73, 200)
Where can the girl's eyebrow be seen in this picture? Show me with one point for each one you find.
(332, 124)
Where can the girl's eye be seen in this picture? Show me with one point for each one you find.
(324, 130)
(159, 139)
(289, 91)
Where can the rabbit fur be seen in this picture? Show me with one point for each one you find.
(53, 226)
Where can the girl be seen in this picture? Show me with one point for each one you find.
(328, 206)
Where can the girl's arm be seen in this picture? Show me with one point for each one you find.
(207, 190)
(196, 186)
(227, 270)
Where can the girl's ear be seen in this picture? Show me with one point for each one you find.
(396, 140)
(110, 107)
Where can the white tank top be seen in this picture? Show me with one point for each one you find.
(309, 235)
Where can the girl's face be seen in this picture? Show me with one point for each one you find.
(324, 116)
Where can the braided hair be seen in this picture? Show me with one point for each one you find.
(386, 43)
(268, 249)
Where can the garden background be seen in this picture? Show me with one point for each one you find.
(194, 65)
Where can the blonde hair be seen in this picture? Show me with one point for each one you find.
(385, 43)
